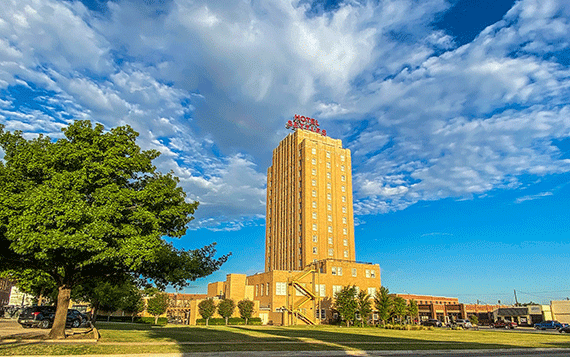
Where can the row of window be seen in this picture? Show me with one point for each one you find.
(281, 289)
(330, 229)
(328, 154)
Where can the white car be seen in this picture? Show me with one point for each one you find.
(462, 323)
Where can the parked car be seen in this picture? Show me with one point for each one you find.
(549, 324)
(432, 322)
(36, 316)
(462, 323)
(43, 316)
(564, 329)
(504, 324)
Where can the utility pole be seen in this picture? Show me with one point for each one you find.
(516, 301)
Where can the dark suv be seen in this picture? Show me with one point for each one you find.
(43, 316)
(37, 316)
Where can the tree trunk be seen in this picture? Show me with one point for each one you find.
(109, 317)
(156, 320)
(94, 312)
(207, 320)
(133, 317)
(246, 320)
(226, 321)
(58, 328)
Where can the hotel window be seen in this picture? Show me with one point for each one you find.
(341, 157)
(314, 204)
(314, 193)
(330, 240)
(261, 290)
(346, 253)
(315, 238)
(339, 271)
(314, 250)
(343, 209)
(333, 271)
(345, 242)
(314, 215)
(344, 220)
(367, 273)
(341, 167)
(354, 272)
(329, 185)
(314, 182)
(321, 289)
(328, 175)
(357, 290)
(280, 288)
(329, 207)
(342, 188)
(256, 290)
(343, 178)
(331, 252)
(328, 165)
(314, 161)
(330, 229)
(267, 289)
(328, 154)
(314, 171)
(314, 151)
(343, 198)
(344, 231)
(329, 218)
(336, 289)
(372, 273)
(372, 292)
(314, 226)
(328, 196)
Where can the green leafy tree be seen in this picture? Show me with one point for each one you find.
(89, 205)
(157, 305)
(346, 305)
(413, 309)
(384, 304)
(400, 308)
(364, 306)
(474, 320)
(245, 308)
(132, 302)
(207, 309)
(226, 308)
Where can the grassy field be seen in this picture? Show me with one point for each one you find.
(135, 338)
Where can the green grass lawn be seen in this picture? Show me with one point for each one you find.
(136, 338)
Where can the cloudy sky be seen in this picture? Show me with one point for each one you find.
(457, 113)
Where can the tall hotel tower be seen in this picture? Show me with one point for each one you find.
(309, 202)
(309, 252)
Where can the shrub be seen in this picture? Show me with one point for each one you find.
(231, 321)
(144, 320)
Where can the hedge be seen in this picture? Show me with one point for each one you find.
(144, 320)
(231, 321)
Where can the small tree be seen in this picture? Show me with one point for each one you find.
(399, 308)
(413, 309)
(245, 309)
(157, 305)
(132, 303)
(346, 304)
(364, 306)
(226, 308)
(474, 320)
(384, 304)
(207, 308)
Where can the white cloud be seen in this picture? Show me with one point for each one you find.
(210, 84)
(533, 197)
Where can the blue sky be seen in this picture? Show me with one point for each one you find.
(457, 114)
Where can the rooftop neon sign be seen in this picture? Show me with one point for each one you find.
(305, 123)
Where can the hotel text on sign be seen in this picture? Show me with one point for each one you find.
(306, 123)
